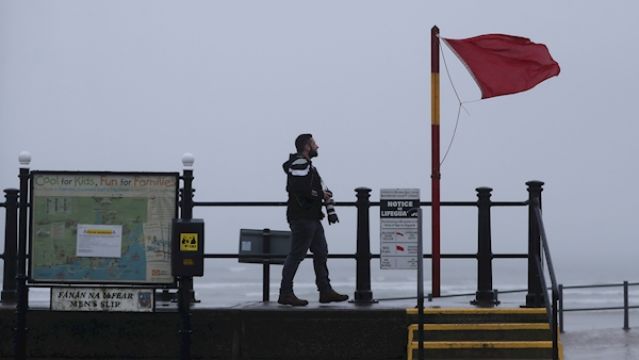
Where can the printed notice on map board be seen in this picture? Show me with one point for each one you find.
(398, 228)
(99, 241)
(89, 227)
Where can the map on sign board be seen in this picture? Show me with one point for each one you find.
(102, 227)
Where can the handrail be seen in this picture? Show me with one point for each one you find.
(598, 286)
(352, 256)
(349, 203)
(561, 309)
(626, 305)
(544, 243)
(602, 308)
(550, 306)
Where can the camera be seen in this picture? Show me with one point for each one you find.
(330, 210)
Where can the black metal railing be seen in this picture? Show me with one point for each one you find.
(626, 307)
(16, 233)
(363, 256)
(626, 303)
(485, 295)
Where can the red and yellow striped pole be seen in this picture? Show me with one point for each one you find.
(435, 175)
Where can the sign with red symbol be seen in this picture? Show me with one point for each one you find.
(398, 228)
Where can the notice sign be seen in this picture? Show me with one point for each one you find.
(99, 241)
(102, 299)
(398, 228)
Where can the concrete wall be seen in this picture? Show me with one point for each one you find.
(259, 332)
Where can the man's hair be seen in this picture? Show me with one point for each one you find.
(301, 141)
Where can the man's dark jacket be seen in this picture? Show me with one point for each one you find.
(304, 187)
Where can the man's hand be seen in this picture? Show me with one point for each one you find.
(327, 195)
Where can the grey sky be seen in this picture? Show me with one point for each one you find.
(132, 85)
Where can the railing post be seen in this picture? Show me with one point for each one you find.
(185, 283)
(184, 308)
(561, 308)
(266, 265)
(555, 333)
(363, 294)
(20, 339)
(625, 306)
(485, 296)
(535, 296)
(186, 207)
(9, 294)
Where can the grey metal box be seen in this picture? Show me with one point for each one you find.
(255, 244)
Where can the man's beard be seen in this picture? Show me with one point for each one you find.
(312, 153)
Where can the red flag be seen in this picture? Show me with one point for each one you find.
(504, 64)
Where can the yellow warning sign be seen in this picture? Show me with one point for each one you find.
(188, 242)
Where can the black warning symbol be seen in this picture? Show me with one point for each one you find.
(188, 242)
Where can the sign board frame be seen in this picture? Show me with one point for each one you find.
(108, 188)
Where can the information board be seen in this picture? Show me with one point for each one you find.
(89, 227)
(398, 229)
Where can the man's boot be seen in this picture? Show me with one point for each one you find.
(291, 299)
(331, 296)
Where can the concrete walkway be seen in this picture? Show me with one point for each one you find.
(601, 344)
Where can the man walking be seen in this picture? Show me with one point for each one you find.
(306, 195)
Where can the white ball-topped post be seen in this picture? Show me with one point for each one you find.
(187, 160)
(24, 158)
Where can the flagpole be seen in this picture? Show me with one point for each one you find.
(435, 174)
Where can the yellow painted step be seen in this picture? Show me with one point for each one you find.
(413, 328)
(444, 345)
(484, 345)
(459, 311)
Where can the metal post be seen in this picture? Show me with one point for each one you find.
(555, 334)
(186, 205)
(20, 340)
(535, 295)
(435, 162)
(185, 283)
(561, 308)
(9, 294)
(266, 265)
(485, 296)
(420, 284)
(363, 294)
(625, 306)
(184, 306)
(187, 195)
